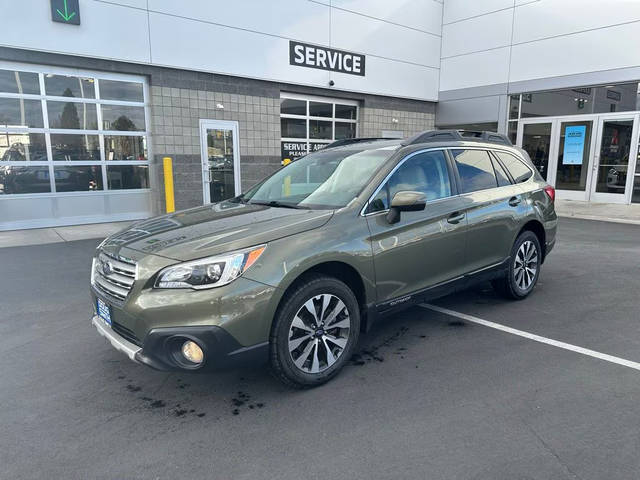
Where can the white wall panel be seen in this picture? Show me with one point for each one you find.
(107, 30)
(207, 47)
(130, 3)
(299, 20)
(547, 18)
(478, 33)
(475, 69)
(425, 15)
(354, 32)
(393, 79)
(602, 49)
(455, 10)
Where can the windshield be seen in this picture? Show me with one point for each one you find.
(329, 179)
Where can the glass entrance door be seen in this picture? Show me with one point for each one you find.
(535, 138)
(614, 144)
(220, 160)
(574, 159)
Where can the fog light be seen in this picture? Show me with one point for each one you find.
(192, 352)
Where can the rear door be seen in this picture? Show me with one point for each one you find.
(494, 207)
(424, 248)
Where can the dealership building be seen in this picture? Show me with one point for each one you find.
(95, 93)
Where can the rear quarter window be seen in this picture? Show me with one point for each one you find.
(516, 167)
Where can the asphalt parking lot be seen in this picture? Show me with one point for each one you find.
(430, 395)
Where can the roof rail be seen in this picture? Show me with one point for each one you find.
(350, 141)
(458, 135)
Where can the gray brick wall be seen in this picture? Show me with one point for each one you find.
(374, 120)
(176, 114)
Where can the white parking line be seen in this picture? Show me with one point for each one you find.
(534, 337)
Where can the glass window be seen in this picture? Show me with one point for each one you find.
(346, 111)
(536, 141)
(73, 178)
(125, 148)
(345, 130)
(326, 179)
(122, 117)
(293, 128)
(475, 170)
(23, 147)
(320, 129)
(501, 175)
(19, 82)
(425, 172)
(75, 147)
(68, 86)
(72, 115)
(18, 112)
(512, 132)
(319, 109)
(514, 107)
(290, 106)
(126, 177)
(24, 179)
(125, 91)
(518, 170)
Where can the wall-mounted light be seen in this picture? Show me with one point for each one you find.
(395, 120)
(220, 106)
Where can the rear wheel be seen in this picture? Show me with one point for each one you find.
(524, 268)
(315, 332)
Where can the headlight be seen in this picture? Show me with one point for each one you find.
(209, 272)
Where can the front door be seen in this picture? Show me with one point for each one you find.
(220, 160)
(610, 171)
(424, 248)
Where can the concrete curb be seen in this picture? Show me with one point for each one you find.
(600, 219)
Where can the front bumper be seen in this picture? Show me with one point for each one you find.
(161, 348)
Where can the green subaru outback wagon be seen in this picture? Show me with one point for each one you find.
(292, 271)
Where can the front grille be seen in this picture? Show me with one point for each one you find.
(113, 276)
(126, 333)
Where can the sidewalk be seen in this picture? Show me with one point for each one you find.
(39, 236)
(606, 212)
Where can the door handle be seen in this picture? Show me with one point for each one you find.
(455, 217)
(515, 201)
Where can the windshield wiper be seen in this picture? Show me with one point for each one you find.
(275, 203)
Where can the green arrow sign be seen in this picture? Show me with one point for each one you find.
(65, 11)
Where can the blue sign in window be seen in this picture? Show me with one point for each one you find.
(574, 138)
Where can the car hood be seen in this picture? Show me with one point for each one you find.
(213, 229)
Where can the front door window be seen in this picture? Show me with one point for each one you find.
(613, 163)
(220, 160)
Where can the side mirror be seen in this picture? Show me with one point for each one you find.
(405, 201)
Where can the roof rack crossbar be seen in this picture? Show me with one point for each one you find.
(458, 135)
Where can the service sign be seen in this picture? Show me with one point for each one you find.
(314, 56)
(295, 150)
(574, 138)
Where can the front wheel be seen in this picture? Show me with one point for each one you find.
(524, 268)
(315, 332)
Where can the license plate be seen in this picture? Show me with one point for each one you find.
(104, 311)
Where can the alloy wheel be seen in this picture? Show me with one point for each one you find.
(319, 333)
(525, 265)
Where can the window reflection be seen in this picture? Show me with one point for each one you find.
(75, 147)
(125, 148)
(18, 112)
(123, 177)
(74, 178)
(23, 147)
(19, 82)
(72, 115)
(24, 180)
(124, 91)
(69, 86)
(122, 117)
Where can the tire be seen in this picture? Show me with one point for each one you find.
(519, 282)
(314, 332)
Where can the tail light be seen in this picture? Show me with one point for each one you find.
(551, 193)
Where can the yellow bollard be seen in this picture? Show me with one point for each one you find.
(168, 184)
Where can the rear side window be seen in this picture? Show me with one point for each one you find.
(501, 175)
(475, 170)
(518, 170)
(425, 172)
